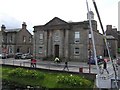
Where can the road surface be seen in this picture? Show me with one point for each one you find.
(73, 66)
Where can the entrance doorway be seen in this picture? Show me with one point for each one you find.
(18, 50)
(56, 50)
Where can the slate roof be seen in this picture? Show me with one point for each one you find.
(12, 30)
(110, 37)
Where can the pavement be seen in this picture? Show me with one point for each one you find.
(73, 66)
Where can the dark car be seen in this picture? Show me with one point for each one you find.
(92, 61)
(18, 55)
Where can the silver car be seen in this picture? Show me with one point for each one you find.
(3, 56)
(26, 56)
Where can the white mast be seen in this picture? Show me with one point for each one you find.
(92, 36)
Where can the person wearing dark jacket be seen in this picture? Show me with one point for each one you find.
(66, 66)
(31, 62)
(105, 66)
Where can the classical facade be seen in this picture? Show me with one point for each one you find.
(69, 40)
(16, 40)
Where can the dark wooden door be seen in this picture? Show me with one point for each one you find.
(56, 50)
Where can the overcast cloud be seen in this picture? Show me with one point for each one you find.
(9, 21)
(39, 12)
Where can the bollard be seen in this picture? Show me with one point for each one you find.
(13, 62)
(81, 69)
(23, 63)
(20, 64)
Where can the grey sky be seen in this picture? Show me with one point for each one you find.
(39, 12)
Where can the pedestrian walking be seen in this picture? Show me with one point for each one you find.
(105, 66)
(33, 62)
(66, 66)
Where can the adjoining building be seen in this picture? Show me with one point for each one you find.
(118, 42)
(17, 40)
(1, 42)
(113, 38)
(66, 40)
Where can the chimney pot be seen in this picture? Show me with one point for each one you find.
(24, 25)
(109, 27)
(3, 27)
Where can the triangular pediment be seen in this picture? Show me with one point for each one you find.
(56, 21)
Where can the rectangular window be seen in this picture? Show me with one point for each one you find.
(90, 36)
(11, 38)
(77, 37)
(24, 38)
(77, 50)
(41, 36)
(40, 49)
(10, 49)
(109, 44)
(30, 40)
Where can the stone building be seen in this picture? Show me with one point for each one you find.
(118, 42)
(18, 40)
(112, 44)
(113, 40)
(69, 40)
(1, 42)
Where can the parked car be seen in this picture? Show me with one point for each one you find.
(26, 56)
(18, 55)
(92, 61)
(3, 56)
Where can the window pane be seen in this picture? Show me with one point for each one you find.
(77, 37)
(24, 39)
(40, 49)
(77, 50)
(41, 36)
(90, 36)
(29, 39)
(11, 38)
(77, 34)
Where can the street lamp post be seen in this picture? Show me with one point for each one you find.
(89, 52)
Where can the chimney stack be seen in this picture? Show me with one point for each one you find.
(3, 27)
(24, 25)
(109, 27)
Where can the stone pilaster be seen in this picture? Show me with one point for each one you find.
(66, 43)
(49, 43)
(45, 43)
